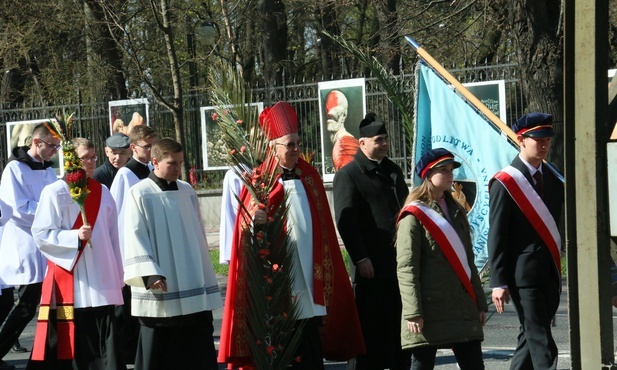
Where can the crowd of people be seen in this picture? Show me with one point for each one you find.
(126, 278)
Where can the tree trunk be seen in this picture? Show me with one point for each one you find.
(177, 107)
(492, 31)
(233, 40)
(537, 33)
(389, 35)
(274, 48)
(326, 14)
(100, 42)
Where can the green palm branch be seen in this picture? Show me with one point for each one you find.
(394, 87)
(271, 315)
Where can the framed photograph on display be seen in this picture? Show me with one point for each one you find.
(213, 147)
(492, 94)
(124, 114)
(19, 133)
(342, 105)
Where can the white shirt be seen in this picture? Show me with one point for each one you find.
(532, 170)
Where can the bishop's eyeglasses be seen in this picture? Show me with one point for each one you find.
(291, 145)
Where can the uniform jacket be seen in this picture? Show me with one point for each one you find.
(367, 200)
(431, 288)
(517, 255)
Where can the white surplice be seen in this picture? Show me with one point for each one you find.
(125, 178)
(97, 274)
(21, 262)
(232, 185)
(164, 235)
(5, 215)
(300, 226)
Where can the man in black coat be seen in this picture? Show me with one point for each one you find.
(118, 153)
(368, 195)
(523, 254)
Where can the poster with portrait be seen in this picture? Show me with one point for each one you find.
(19, 133)
(492, 94)
(124, 114)
(213, 148)
(342, 105)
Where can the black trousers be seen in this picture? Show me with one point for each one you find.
(468, 356)
(380, 309)
(309, 350)
(25, 309)
(185, 346)
(6, 303)
(127, 327)
(536, 307)
(96, 345)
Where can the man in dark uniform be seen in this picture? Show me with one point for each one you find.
(368, 195)
(118, 153)
(523, 255)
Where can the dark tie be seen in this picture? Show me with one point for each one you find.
(539, 183)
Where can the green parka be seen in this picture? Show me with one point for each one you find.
(430, 288)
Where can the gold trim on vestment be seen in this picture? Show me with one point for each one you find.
(65, 313)
(44, 313)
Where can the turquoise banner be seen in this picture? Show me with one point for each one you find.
(445, 120)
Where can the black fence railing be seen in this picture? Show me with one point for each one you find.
(92, 119)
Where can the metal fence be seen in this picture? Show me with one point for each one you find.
(92, 119)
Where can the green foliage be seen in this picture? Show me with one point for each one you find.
(393, 86)
(219, 269)
(346, 259)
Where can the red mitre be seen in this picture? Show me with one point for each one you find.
(279, 120)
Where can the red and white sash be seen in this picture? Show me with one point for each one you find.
(447, 239)
(533, 208)
(59, 282)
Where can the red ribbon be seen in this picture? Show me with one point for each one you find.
(444, 244)
(62, 280)
(535, 219)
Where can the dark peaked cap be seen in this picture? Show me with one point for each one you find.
(534, 125)
(372, 125)
(118, 141)
(434, 158)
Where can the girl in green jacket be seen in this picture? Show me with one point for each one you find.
(444, 305)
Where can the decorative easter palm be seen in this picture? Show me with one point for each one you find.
(74, 174)
(266, 254)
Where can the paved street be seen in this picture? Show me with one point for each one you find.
(500, 336)
(500, 333)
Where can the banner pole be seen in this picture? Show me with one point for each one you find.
(462, 89)
(471, 98)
